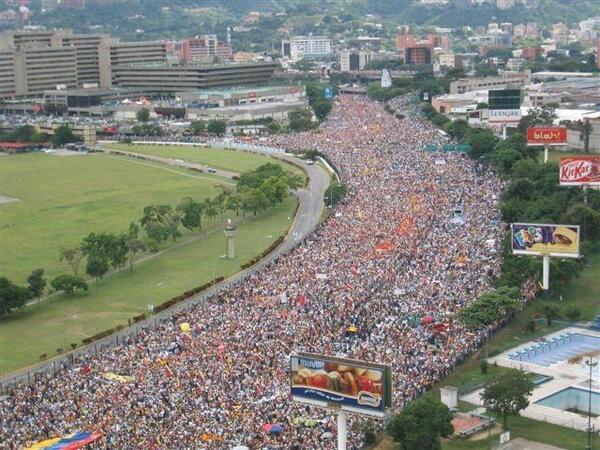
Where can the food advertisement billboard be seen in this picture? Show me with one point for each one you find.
(545, 240)
(580, 171)
(546, 135)
(344, 384)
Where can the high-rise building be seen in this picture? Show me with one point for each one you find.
(115, 53)
(204, 49)
(87, 50)
(38, 68)
(309, 47)
(354, 60)
(413, 50)
(7, 74)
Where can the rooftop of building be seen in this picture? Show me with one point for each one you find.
(93, 91)
(196, 66)
(237, 90)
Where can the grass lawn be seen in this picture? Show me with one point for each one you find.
(64, 320)
(555, 155)
(232, 160)
(62, 199)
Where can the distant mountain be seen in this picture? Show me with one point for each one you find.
(156, 19)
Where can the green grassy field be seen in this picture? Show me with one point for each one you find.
(62, 199)
(219, 159)
(64, 320)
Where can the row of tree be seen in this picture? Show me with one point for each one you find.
(29, 134)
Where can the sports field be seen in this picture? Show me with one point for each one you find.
(219, 159)
(62, 199)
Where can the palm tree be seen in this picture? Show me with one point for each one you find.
(586, 130)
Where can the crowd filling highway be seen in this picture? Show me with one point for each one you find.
(417, 236)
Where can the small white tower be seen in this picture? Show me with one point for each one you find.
(230, 229)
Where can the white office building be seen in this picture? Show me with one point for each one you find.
(309, 47)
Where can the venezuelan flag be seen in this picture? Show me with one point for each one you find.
(70, 442)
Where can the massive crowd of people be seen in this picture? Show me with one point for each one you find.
(417, 235)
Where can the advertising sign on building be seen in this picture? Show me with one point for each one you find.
(580, 171)
(343, 384)
(386, 78)
(328, 92)
(504, 115)
(545, 240)
(546, 135)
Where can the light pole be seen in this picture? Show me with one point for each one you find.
(591, 364)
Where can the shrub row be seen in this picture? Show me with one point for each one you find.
(102, 334)
(172, 301)
(269, 249)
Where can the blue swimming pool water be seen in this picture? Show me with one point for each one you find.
(560, 348)
(572, 398)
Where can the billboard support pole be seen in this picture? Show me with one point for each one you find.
(546, 276)
(585, 195)
(342, 420)
(545, 154)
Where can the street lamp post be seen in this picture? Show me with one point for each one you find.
(591, 364)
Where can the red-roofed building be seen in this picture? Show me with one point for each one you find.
(17, 147)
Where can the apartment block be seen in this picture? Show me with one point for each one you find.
(204, 49)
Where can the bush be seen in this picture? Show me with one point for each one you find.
(68, 283)
(483, 366)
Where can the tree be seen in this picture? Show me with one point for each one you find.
(134, 246)
(573, 313)
(546, 115)
(102, 249)
(457, 129)
(143, 115)
(490, 307)
(507, 394)
(197, 127)
(301, 120)
(159, 222)
(63, 135)
(217, 127)
(421, 424)
(96, 266)
(36, 283)
(321, 107)
(25, 133)
(586, 131)
(482, 142)
(73, 257)
(68, 284)
(12, 296)
(551, 312)
(191, 213)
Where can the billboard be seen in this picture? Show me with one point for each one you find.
(580, 171)
(545, 240)
(328, 92)
(504, 115)
(546, 135)
(504, 99)
(345, 384)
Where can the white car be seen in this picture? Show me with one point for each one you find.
(211, 170)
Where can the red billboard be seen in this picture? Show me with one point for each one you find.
(580, 170)
(546, 135)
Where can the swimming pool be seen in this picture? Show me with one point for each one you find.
(557, 349)
(572, 399)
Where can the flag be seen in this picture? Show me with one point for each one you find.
(302, 300)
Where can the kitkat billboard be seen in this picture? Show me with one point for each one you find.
(546, 135)
(580, 171)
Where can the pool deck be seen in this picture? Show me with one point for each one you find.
(563, 375)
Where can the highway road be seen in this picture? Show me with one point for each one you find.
(307, 218)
